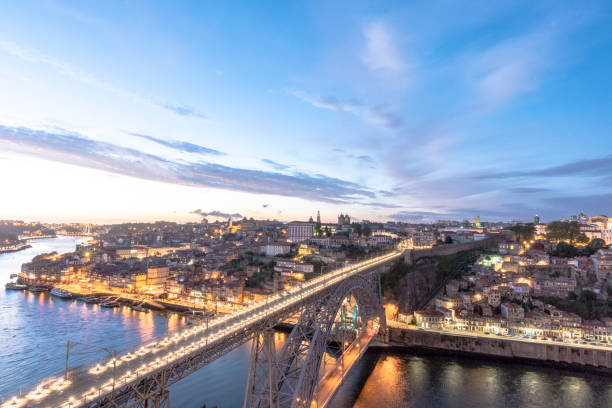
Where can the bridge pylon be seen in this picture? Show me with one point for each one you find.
(289, 378)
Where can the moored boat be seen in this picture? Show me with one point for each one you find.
(139, 308)
(38, 289)
(61, 293)
(15, 286)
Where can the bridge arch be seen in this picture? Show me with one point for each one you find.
(293, 376)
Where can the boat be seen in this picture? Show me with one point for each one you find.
(109, 304)
(91, 299)
(139, 308)
(61, 293)
(15, 286)
(38, 289)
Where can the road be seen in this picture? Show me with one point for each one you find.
(103, 377)
(462, 333)
(331, 380)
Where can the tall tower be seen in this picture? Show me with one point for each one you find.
(318, 217)
(536, 219)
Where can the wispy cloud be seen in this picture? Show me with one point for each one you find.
(185, 111)
(216, 214)
(181, 146)
(78, 150)
(600, 167)
(67, 69)
(381, 52)
(276, 165)
(378, 115)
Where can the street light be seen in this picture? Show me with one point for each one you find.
(112, 353)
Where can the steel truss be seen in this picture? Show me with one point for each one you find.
(290, 379)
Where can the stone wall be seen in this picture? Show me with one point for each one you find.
(502, 347)
(413, 255)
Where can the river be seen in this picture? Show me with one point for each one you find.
(34, 330)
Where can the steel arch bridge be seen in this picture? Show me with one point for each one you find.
(140, 378)
(290, 379)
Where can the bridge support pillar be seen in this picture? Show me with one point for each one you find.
(161, 400)
(262, 381)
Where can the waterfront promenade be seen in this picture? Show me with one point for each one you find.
(595, 355)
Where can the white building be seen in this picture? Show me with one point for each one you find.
(300, 231)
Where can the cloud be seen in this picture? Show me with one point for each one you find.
(378, 115)
(585, 167)
(181, 146)
(66, 69)
(72, 148)
(528, 190)
(417, 216)
(276, 165)
(184, 111)
(381, 52)
(380, 205)
(513, 67)
(215, 213)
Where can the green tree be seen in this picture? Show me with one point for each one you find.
(524, 232)
(448, 240)
(367, 231)
(596, 244)
(565, 250)
(582, 239)
(563, 231)
(357, 228)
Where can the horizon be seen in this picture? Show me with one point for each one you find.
(394, 112)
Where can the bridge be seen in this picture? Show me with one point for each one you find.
(297, 376)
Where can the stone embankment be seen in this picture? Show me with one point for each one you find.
(413, 255)
(505, 348)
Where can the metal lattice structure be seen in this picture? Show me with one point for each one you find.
(290, 379)
(140, 379)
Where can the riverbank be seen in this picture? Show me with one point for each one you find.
(14, 248)
(567, 355)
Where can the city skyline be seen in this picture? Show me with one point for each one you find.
(143, 112)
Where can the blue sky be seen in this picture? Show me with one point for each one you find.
(388, 111)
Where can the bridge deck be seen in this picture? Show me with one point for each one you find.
(86, 386)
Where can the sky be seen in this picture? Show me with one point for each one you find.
(403, 111)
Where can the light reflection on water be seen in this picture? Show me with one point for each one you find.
(394, 379)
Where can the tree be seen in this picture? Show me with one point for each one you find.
(357, 228)
(448, 240)
(367, 231)
(327, 232)
(524, 232)
(563, 231)
(582, 239)
(596, 244)
(565, 250)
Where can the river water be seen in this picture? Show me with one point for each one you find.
(34, 330)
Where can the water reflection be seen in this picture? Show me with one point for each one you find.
(404, 380)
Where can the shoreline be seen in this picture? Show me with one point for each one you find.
(15, 249)
(419, 350)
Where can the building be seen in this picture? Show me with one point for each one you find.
(300, 231)
(132, 252)
(344, 220)
(540, 229)
(512, 311)
(429, 319)
(603, 264)
(423, 239)
(275, 248)
(157, 276)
